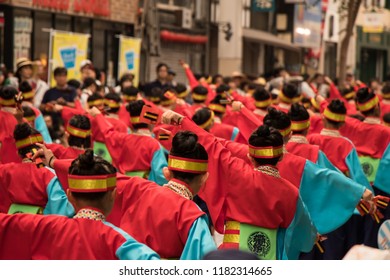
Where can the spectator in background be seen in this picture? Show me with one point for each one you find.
(89, 87)
(39, 85)
(87, 70)
(162, 79)
(125, 81)
(76, 85)
(24, 72)
(171, 77)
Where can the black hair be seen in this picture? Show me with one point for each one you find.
(222, 88)
(386, 118)
(25, 87)
(81, 122)
(265, 136)
(21, 132)
(115, 97)
(346, 91)
(215, 77)
(130, 91)
(134, 108)
(199, 90)
(95, 96)
(298, 112)
(88, 82)
(28, 112)
(363, 95)
(217, 100)
(261, 94)
(277, 119)
(74, 84)
(89, 164)
(201, 116)
(180, 88)
(60, 71)
(386, 88)
(290, 90)
(126, 77)
(306, 102)
(155, 95)
(185, 145)
(338, 107)
(160, 65)
(8, 92)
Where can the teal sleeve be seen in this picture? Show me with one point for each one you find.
(235, 133)
(329, 196)
(159, 161)
(199, 241)
(324, 162)
(40, 125)
(356, 171)
(132, 249)
(301, 234)
(382, 179)
(57, 201)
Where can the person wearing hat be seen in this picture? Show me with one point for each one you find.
(171, 77)
(87, 236)
(24, 72)
(87, 70)
(235, 84)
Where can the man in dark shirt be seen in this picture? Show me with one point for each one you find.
(60, 94)
(161, 81)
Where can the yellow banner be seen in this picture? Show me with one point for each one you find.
(129, 57)
(68, 50)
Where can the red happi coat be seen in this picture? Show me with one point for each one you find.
(62, 152)
(306, 151)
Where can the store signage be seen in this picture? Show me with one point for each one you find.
(263, 5)
(95, 7)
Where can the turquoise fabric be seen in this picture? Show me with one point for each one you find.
(280, 252)
(40, 125)
(235, 133)
(356, 172)
(199, 241)
(324, 162)
(57, 201)
(329, 196)
(301, 234)
(159, 161)
(132, 249)
(382, 179)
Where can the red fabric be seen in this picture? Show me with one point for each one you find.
(61, 152)
(25, 237)
(369, 139)
(61, 168)
(156, 216)
(316, 124)
(67, 113)
(281, 108)
(247, 122)
(247, 101)
(23, 183)
(335, 148)
(129, 152)
(78, 105)
(385, 108)
(117, 125)
(306, 151)
(8, 151)
(334, 93)
(185, 110)
(191, 78)
(124, 116)
(231, 178)
(7, 125)
(167, 144)
(221, 130)
(291, 168)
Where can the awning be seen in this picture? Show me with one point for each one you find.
(269, 39)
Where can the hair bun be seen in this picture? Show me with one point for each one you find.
(362, 93)
(184, 142)
(263, 131)
(295, 109)
(87, 160)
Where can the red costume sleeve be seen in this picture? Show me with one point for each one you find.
(247, 122)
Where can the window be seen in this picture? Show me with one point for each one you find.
(246, 13)
(63, 22)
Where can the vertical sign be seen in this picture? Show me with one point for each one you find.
(129, 57)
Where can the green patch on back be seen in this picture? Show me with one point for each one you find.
(24, 209)
(370, 167)
(100, 149)
(141, 174)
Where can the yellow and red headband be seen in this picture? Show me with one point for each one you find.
(368, 105)
(28, 95)
(154, 99)
(78, 132)
(189, 165)
(209, 121)
(386, 96)
(30, 118)
(183, 94)
(300, 125)
(315, 104)
(263, 104)
(32, 139)
(217, 108)
(97, 102)
(386, 123)
(7, 102)
(265, 152)
(334, 116)
(91, 184)
(135, 120)
(289, 100)
(349, 95)
(199, 97)
(285, 131)
(111, 103)
(129, 98)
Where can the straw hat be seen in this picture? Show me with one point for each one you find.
(22, 62)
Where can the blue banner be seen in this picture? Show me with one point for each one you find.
(263, 5)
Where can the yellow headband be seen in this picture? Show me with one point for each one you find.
(285, 131)
(363, 107)
(28, 95)
(97, 102)
(129, 98)
(154, 99)
(182, 94)
(7, 102)
(289, 100)
(300, 125)
(78, 132)
(208, 122)
(265, 152)
(349, 95)
(217, 108)
(263, 104)
(199, 97)
(167, 102)
(386, 95)
(32, 139)
(386, 123)
(111, 103)
(333, 116)
(135, 120)
(187, 165)
(86, 184)
(30, 118)
(315, 104)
